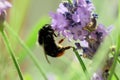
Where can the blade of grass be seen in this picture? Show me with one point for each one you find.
(118, 22)
(12, 54)
(17, 18)
(32, 37)
(80, 60)
(117, 78)
(81, 63)
(18, 13)
(33, 58)
(118, 46)
(115, 59)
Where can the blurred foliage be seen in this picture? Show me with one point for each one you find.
(27, 17)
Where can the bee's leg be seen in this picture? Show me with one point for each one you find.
(67, 47)
(61, 50)
(61, 40)
(55, 35)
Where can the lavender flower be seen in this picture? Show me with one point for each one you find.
(94, 39)
(78, 21)
(4, 5)
(100, 32)
(97, 76)
(70, 19)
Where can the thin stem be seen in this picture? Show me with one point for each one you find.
(119, 11)
(34, 59)
(115, 60)
(70, 1)
(116, 76)
(113, 67)
(12, 54)
(81, 62)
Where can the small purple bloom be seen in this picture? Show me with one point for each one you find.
(75, 17)
(84, 16)
(62, 9)
(78, 33)
(101, 32)
(58, 22)
(4, 5)
(97, 76)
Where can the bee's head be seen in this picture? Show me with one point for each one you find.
(45, 31)
(48, 29)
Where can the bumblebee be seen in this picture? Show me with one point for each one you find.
(46, 39)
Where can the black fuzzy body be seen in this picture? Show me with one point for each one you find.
(46, 39)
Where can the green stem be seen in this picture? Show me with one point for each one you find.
(34, 59)
(117, 78)
(70, 1)
(11, 53)
(113, 67)
(115, 60)
(81, 62)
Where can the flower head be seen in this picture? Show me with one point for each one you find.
(71, 18)
(94, 39)
(4, 5)
(100, 32)
(78, 21)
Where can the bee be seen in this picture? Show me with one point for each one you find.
(46, 39)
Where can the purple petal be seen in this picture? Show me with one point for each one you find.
(4, 5)
(62, 9)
